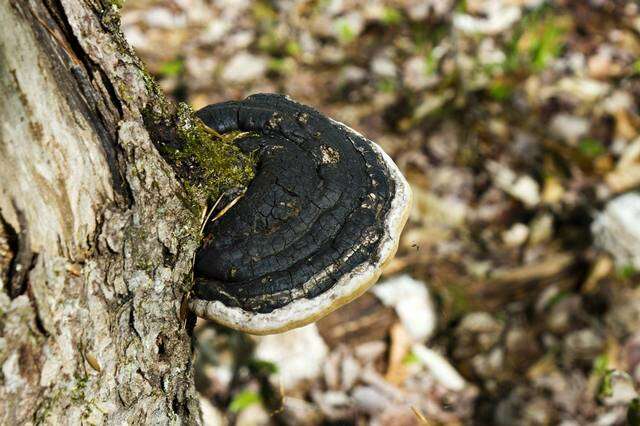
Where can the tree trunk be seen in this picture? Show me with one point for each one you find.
(96, 243)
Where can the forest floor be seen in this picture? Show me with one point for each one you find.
(513, 298)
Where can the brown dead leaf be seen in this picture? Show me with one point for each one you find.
(400, 345)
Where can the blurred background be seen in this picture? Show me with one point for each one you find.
(515, 296)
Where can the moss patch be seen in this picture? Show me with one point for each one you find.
(206, 163)
(215, 163)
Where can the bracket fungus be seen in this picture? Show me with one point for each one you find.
(314, 227)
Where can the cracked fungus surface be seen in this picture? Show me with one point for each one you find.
(313, 213)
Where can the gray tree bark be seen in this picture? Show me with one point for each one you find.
(96, 243)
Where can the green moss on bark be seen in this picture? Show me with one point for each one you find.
(214, 161)
(207, 163)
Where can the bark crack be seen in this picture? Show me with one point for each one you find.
(22, 260)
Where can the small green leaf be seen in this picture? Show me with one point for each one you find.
(281, 65)
(591, 148)
(172, 68)
(262, 11)
(410, 358)
(500, 91)
(431, 63)
(391, 16)
(292, 48)
(262, 366)
(346, 34)
(606, 387)
(244, 399)
(269, 42)
(539, 38)
(387, 85)
(627, 271)
(601, 365)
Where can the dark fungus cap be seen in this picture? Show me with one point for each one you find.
(314, 228)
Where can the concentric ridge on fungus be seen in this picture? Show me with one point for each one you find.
(314, 227)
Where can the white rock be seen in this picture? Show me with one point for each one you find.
(244, 67)
(610, 418)
(238, 41)
(370, 351)
(417, 74)
(201, 69)
(522, 187)
(353, 74)
(618, 101)
(236, 5)
(489, 365)
(583, 344)
(570, 127)
(335, 7)
(418, 11)
(369, 399)
(383, 66)
(499, 17)
(617, 229)
(135, 36)
(439, 367)
(309, 46)
(626, 175)
(211, 416)
(253, 415)
(215, 31)
(630, 156)
(412, 302)
(297, 411)
(478, 323)
(516, 235)
(160, 17)
(299, 354)
(477, 332)
(333, 404)
(622, 389)
(489, 53)
(583, 89)
(350, 369)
